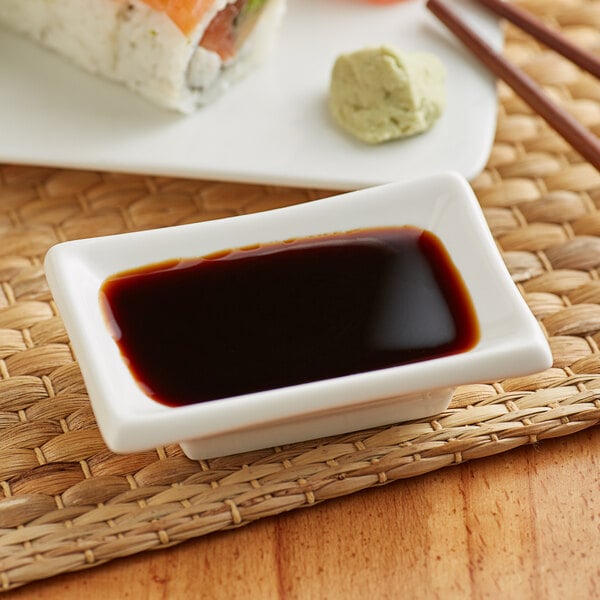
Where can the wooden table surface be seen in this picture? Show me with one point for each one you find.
(522, 524)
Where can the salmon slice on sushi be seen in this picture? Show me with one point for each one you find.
(179, 54)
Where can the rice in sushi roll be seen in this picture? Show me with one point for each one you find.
(179, 54)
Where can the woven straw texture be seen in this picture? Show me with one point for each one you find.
(67, 503)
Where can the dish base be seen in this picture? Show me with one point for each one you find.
(320, 425)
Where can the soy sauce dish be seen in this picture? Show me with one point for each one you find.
(336, 315)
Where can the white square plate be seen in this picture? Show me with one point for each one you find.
(511, 341)
(272, 127)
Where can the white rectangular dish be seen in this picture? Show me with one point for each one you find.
(511, 342)
(272, 127)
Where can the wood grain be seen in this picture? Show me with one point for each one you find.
(524, 524)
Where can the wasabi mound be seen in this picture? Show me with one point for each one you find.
(381, 94)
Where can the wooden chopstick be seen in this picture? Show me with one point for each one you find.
(582, 140)
(550, 37)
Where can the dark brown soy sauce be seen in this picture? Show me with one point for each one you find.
(281, 314)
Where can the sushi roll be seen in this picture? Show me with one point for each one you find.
(179, 54)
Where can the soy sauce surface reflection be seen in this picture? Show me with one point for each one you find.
(281, 314)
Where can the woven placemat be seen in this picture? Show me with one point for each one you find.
(68, 503)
